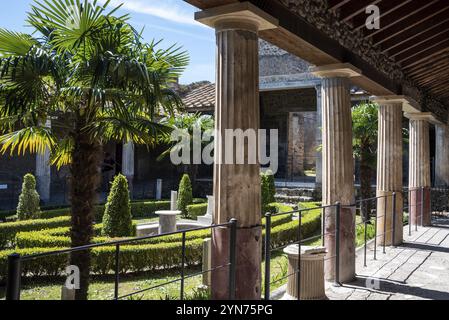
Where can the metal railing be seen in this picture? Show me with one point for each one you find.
(14, 275)
(269, 249)
(369, 221)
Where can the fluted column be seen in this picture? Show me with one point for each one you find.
(389, 169)
(43, 172)
(319, 156)
(338, 167)
(128, 164)
(442, 155)
(419, 170)
(237, 186)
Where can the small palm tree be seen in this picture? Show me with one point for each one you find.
(186, 123)
(88, 71)
(364, 126)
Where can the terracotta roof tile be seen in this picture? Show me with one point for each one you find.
(201, 99)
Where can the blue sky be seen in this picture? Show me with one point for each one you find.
(170, 20)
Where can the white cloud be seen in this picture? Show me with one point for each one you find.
(164, 9)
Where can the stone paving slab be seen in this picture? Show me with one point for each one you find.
(417, 270)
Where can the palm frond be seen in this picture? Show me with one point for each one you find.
(15, 43)
(30, 139)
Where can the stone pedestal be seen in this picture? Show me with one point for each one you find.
(67, 294)
(237, 186)
(167, 220)
(338, 166)
(311, 273)
(158, 189)
(442, 155)
(389, 168)
(207, 218)
(207, 261)
(174, 200)
(419, 169)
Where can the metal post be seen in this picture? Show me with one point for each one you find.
(375, 233)
(393, 223)
(385, 223)
(14, 277)
(232, 258)
(337, 243)
(422, 206)
(298, 276)
(323, 227)
(364, 249)
(183, 262)
(267, 255)
(117, 271)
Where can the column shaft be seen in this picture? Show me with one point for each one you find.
(319, 156)
(43, 172)
(389, 172)
(442, 156)
(128, 164)
(338, 175)
(419, 172)
(237, 186)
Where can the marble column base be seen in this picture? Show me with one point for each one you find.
(416, 205)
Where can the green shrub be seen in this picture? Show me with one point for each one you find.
(9, 230)
(271, 185)
(133, 258)
(185, 197)
(196, 210)
(267, 190)
(117, 220)
(28, 207)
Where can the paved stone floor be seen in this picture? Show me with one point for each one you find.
(419, 269)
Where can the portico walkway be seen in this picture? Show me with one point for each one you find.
(419, 269)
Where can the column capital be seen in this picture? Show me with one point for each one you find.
(237, 16)
(423, 116)
(341, 70)
(409, 105)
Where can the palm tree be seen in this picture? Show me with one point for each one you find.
(364, 120)
(88, 71)
(186, 123)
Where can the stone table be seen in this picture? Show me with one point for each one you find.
(167, 220)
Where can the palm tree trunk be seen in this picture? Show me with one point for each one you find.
(84, 182)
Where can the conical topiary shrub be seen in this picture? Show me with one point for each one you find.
(28, 207)
(185, 196)
(271, 186)
(117, 219)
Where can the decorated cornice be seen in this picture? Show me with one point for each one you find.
(317, 13)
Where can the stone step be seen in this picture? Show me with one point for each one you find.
(306, 192)
(292, 199)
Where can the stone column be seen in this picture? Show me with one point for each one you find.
(43, 172)
(296, 143)
(419, 169)
(338, 167)
(237, 186)
(442, 155)
(319, 139)
(389, 168)
(128, 164)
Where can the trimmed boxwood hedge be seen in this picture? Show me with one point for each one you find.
(9, 230)
(139, 209)
(196, 210)
(151, 254)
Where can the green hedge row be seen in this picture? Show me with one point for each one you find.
(132, 258)
(9, 230)
(196, 210)
(59, 237)
(139, 209)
